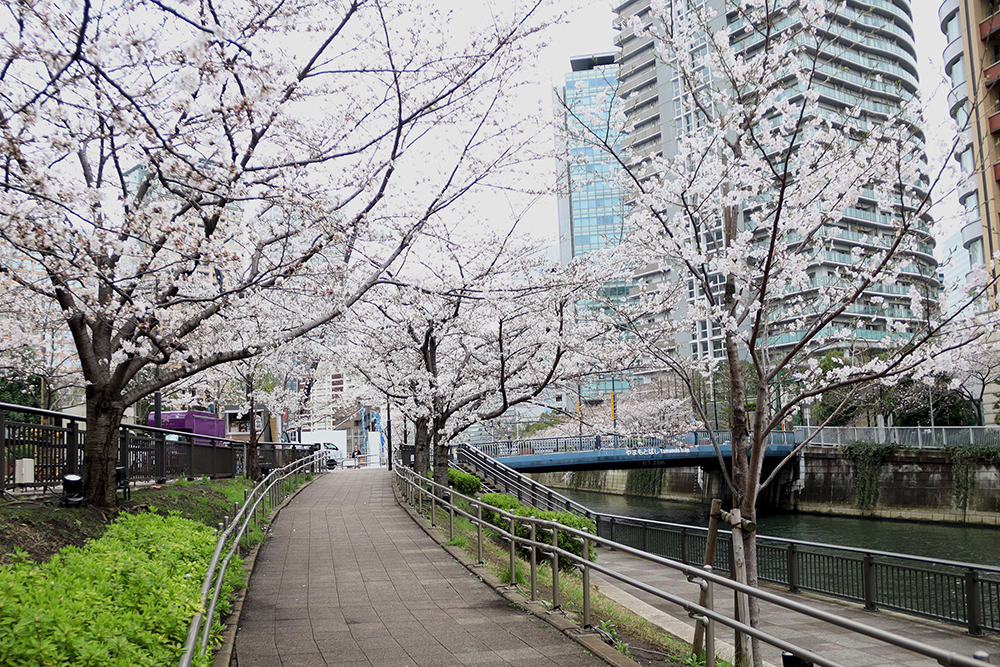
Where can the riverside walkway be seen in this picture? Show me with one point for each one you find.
(348, 578)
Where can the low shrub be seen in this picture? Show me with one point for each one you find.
(566, 541)
(124, 599)
(464, 483)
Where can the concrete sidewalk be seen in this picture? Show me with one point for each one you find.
(845, 647)
(348, 578)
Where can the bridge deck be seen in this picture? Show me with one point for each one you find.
(349, 579)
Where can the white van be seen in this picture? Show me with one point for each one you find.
(334, 456)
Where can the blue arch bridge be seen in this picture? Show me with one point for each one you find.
(616, 452)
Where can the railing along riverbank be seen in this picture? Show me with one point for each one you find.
(430, 498)
(950, 591)
(53, 447)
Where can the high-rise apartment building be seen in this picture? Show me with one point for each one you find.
(972, 63)
(866, 65)
(591, 206)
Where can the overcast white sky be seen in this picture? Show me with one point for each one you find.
(589, 31)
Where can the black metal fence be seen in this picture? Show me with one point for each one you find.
(962, 593)
(37, 455)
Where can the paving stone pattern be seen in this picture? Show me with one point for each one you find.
(347, 578)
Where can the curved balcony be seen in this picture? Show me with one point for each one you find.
(973, 231)
(946, 9)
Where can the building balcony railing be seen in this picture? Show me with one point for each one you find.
(992, 73)
(994, 121)
(989, 27)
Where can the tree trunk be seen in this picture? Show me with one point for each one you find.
(441, 451)
(253, 459)
(421, 446)
(100, 448)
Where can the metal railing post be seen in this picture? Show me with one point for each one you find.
(868, 581)
(793, 568)
(479, 533)
(684, 546)
(451, 519)
(555, 568)
(585, 550)
(534, 565)
(513, 552)
(709, 624)
(973, 603)
(645, 536)
(434, 507)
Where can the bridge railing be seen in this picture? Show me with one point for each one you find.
(586, 443)
(438, 502)
(908, 437)
(955, 592)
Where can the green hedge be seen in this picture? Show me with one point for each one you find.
(464, 483)
(124, 599)
(567, 541)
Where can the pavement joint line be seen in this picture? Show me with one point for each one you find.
(592, 642)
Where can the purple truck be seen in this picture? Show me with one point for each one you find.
(189, 421)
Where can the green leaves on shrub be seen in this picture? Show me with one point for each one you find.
(566, 541)
(464, 483)
(124, 599)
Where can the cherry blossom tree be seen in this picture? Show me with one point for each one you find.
(792, 220)
(472, 330)
(169, 170)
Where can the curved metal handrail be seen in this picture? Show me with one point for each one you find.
(272, 488)
(412, 484)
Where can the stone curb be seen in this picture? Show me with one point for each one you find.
(588, 639)
(224, 655)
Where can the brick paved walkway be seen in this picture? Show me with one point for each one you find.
(348, 578)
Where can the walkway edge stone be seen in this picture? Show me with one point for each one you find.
(589, 640)
(224, 655)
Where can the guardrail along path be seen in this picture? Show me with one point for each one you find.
(842, 646)
(347, 578)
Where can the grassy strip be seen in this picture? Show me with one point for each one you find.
(627, 630)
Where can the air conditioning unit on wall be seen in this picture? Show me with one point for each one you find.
(24, 471)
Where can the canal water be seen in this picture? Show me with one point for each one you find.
(969, 544)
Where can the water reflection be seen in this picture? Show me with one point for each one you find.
(972, 544)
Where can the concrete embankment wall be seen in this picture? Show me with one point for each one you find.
(913, 485)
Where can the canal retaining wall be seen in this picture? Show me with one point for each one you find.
(912, 485)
